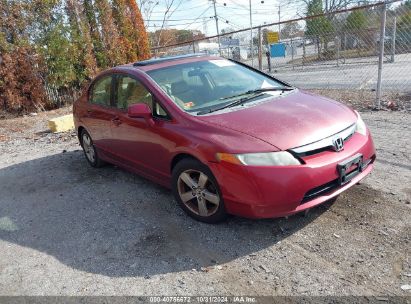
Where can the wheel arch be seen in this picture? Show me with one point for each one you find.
(179, 157)
(79, 131)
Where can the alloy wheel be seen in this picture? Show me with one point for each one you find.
(89, 148)
(198, 192)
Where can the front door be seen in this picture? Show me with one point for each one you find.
(139, 142)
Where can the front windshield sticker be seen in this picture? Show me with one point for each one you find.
(188, 105)
(222, 62)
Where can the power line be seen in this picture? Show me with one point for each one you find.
(241, 5)
(199, 17)
(177, 24)
(195, 20)
(182, 19)
(231, 23)
(276, 23)
(180, 10)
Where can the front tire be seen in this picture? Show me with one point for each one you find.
(89, 150)
(197, 192)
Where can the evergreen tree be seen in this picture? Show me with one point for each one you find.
(114, 50)
(21, 85)
(51, 38)
(356, 20)
(98, 46)
(404, 31)
(56, 44)
(140, 40)
(86, 65)
(124, 25)
(320, 27)
(134, 38)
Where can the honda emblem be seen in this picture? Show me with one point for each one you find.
(338, 144)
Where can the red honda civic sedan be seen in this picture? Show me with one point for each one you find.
(226, 138)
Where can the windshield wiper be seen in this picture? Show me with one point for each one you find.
(271, 89)
(241, 101)
(261, 90)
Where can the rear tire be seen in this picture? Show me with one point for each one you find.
(89, 150)
(197, 192)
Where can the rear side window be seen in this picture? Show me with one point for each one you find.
(101, 91)
(130, 91)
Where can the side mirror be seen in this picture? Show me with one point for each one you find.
(139, 110)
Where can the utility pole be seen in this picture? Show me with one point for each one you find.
(251, 36)
(216, 25)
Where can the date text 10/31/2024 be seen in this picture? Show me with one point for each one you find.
(202, 299)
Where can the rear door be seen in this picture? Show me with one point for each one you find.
(100, 115)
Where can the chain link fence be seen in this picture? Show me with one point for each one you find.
(360, 55)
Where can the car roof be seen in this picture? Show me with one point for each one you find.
(162, 62)
(166, 59)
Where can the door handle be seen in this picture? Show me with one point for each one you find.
(116, 121)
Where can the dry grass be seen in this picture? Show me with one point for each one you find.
(365, 100)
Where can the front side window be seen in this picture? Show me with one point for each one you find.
(159, 111)
(101, 91)
(208, 84)
(130, 91)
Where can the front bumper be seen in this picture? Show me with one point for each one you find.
(267, 192)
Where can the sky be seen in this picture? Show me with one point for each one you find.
(235, 14)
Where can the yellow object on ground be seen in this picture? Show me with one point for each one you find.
(61, 124)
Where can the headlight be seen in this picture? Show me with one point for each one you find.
(360, 125)
(282, 158)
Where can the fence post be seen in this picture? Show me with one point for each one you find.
(268, 60)
(260, 49)
(394, 34)
(337, 44)
(345, 46)
(292, 52)
(381, 56)
(304, 51)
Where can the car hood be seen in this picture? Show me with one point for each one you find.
(290, 121)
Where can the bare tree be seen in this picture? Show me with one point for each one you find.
(147, 7)
(169, 8)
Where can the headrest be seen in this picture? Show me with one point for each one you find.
(130, 86)
(179, 87)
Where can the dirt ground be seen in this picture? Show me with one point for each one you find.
(69, 229)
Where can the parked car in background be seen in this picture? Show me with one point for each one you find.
(226, 138)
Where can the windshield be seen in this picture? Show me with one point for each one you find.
(203, 85)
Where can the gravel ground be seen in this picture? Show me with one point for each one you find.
(69, 229)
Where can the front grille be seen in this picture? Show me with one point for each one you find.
(320, 190)
(312, 152)
(325, 144)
